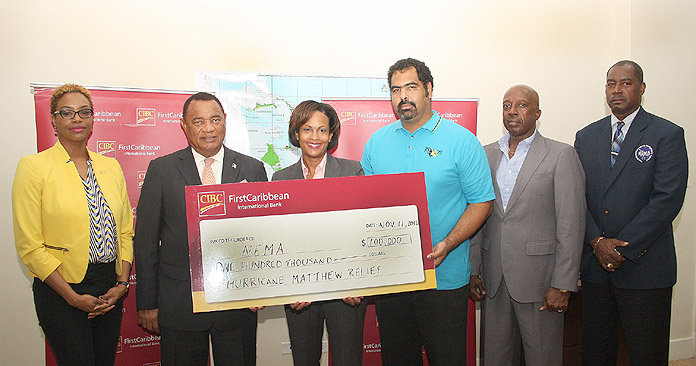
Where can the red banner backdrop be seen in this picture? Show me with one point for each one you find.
(135, 126)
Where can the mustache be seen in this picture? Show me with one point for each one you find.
(406, 102)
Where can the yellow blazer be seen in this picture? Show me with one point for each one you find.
(51, 216)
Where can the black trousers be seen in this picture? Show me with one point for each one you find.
(644, 316)
(434, 319)
(231, 347)
(74, 339)
(343, 322)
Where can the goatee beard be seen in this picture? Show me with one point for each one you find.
(408, 114)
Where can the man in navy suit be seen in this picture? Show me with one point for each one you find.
(636, 170)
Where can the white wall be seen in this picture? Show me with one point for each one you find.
(662, 40)
(475, 49)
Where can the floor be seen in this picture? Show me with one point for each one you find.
(687, 362)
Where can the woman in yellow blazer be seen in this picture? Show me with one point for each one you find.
(73, 228)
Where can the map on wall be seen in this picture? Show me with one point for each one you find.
(259, 105)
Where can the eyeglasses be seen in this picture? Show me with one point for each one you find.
(69, 113)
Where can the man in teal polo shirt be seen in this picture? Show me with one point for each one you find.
(460, 194)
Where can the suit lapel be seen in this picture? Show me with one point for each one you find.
(187, 167)
(333, 168)
(534, 157)
(230, 170)
(602, 149)
(296, 170)
(494, 155)
(629, 145)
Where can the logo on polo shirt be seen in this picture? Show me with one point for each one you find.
(211, 204)
(432, 152)
(145, 116)
(347, 116)
(106, 148)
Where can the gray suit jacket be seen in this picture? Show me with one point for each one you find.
(335, 167)
(163, 271)
(538, 241)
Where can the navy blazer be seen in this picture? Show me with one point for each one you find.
(163, 271)
(636, 200)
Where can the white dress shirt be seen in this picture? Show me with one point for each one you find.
(216, 166)
(508, 169)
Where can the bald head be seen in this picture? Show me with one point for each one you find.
(532, 95)
(520, 112)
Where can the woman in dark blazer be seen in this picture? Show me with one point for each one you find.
(314, 128)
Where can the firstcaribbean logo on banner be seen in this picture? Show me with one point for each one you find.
(106, 148)
(347, 116)
(140, 178)
(145, 116)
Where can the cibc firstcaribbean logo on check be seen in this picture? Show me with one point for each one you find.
(211, 204)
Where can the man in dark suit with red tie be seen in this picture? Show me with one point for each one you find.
(636, 171)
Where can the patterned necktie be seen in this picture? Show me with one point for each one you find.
(616, 142)
(208, 176)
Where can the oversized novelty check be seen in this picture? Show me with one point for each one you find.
(270, 243)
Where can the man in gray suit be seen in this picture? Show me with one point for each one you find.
(526, 257)
(163, 295)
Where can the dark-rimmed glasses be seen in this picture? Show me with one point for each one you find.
(69, 113)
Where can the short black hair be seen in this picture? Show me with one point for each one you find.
(422, 70)
(201, 96)
(637, 70)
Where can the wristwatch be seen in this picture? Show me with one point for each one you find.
(124, 283)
